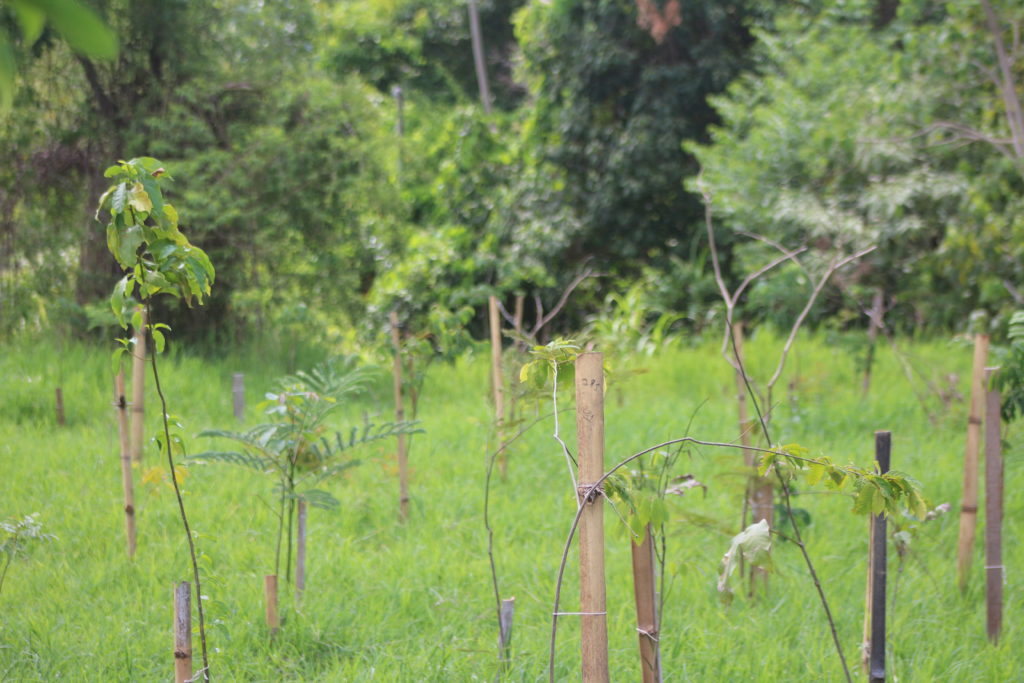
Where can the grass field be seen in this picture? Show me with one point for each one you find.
(414, 602)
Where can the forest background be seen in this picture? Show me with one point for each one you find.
(337, 164)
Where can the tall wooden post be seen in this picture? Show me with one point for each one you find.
(876, 666)
(646, 606)
(300, 553)
(969, 503)
(126, 464)
(183, 632)
(139, 387)
(270, 599)
(59, 406)
(497, 381)
(238, 395)
(590, 441)
(994, 571)
(403, 455)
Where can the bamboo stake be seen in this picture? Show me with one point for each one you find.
(646, 606)
(497, 382)
(876, 667)
(994, 571)
(865, 651)
(183, 632)
(139, 387)
(59, 406)
(300, 553)
(238, 395)
(126, 464)
(508, 610)
(590, 441)
(969, 504)
(403, 455)
(270, 598)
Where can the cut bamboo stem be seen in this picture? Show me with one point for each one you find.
(270, 599)
(497, 381)
(300, 553)
(403, 455)
(646, 606)
(969, 503)
(183, 632)
(876, 667)
(238, 395)
(994, 571)
(139, 387)
(126, 463)
(59, 406)
(505, 615)
(590, 441)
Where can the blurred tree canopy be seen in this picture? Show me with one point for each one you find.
(828, 123)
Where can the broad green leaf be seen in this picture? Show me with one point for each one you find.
(815, 473)
(878, 500)
(81, 27)
(115, 359)
(139, 199)
(864, 500)
(119, 198)
(110, 173)
(158, 340)
(31, 19)
(128, 245)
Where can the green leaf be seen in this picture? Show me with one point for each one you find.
(115, 359)
(117, 300)
(119, 198)
(815, 473)
(130, 239)
(30, 18)
(81, 27)
(158, 340)
(878, 500)
(864, 500)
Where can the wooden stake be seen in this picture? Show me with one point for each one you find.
(300, 553)
(517, 317)
(238, 395)
(876, 668)
(749, 457)
(969, 504)
(139, 388)
(865, 652)
(183, 632)
(270, 598)
(59, 406)
(590, 441)
(874, 325)
(126, 464)
(994, 571)
(497, 382)
(403, 455)
(646, 607)
(508, 610)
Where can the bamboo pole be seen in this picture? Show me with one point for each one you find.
(403, 455)
(126, 464)
(238, 395)
(59, 406)
(994, 571)
(865, 648)
(300, 553)
(646, 606)
(139, 387)
(497, 381)
(590, 441)
(876, 667)
(969, 503)
(183, 632)
(270, 600)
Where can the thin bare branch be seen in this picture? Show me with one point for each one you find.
(542, 321)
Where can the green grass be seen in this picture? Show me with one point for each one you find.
(414, 602)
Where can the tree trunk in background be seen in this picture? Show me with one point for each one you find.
(97, 270)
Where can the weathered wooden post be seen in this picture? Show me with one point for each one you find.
(590, 442)
(238, 395)
(403, 455)
(183, 632)
(121, 405)
(300, 553)
(59, 406)
(969, 502)
(497, 381)
(879, 557)
(139, 387)
(994, 571)
(270, 598)
(646, 606)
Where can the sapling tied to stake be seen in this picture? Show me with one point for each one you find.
(297, 446)
(143, 236)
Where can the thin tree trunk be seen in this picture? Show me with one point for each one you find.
(300, 554)
(403, 456)
(874, 325)
(139, 388)
(478, 56)
(126, 463)
(183, 632)
(497, 381)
